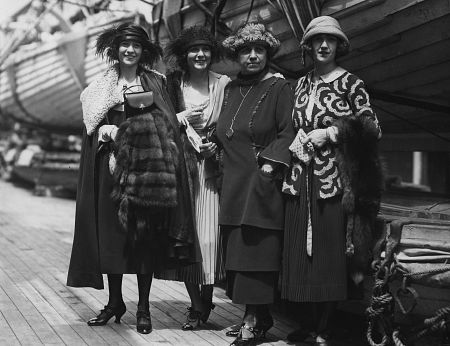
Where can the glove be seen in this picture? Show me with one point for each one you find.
(107, 133)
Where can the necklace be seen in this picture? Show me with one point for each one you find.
(230, 131)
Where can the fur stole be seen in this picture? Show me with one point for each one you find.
(363, 182)
(145, 174)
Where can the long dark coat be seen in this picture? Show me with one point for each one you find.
(84, 268)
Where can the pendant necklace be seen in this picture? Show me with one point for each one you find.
(230, 131)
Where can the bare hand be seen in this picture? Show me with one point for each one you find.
(208, 149)
(267, 168)
(317, 137)
(189, 115)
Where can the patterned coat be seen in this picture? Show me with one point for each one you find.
(317, 106)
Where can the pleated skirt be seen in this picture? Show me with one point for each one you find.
(211, 269)
(322, 276)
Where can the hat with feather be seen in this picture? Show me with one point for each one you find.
(108, 43)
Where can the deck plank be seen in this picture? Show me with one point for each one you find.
(37, 308)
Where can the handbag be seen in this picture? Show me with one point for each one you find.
(136, 103)
(302, 149)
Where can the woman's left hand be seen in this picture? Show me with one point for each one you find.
(318, 137)
(208, 149)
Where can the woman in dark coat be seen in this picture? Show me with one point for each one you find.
(133, 203)
(254, 130)
(326, 99)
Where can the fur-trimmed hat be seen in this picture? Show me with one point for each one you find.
(108, 43)
(189, 37)
(251, 33)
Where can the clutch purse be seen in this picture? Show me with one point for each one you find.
(302, 149)
(136, 103)
(211, 134)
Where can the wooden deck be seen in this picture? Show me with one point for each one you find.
(37, 308)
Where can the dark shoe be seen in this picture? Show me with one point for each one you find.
(325, 342)
(234, 330)
(264, 324)
(299, 335)
(193, 319)
(247, 336)
(106, 314)
(143, 322)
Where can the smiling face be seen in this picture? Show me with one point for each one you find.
(252, 58)
(130, 52)
(198, 57)
(324, 48)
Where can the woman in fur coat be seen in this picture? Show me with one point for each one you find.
(197, 94)
(337, 133)
(133, 207)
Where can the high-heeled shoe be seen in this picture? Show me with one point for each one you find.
(234, 330)
(246, 341)
(264, 324)
(106, 314)
(193, 319)
(143, 321)
(300, 334)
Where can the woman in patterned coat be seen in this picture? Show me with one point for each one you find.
(314, 255)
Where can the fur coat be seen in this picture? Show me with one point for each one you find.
(362, 178)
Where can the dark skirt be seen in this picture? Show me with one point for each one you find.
(118, 252)
(253, 257)
(321, 277)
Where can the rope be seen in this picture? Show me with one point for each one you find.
(380, 311)
(426, 272)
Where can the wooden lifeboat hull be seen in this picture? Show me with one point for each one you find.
(41, 85)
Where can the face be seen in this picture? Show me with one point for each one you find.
(130, 52)
(324, 48)
(252, 58)
(198, 57)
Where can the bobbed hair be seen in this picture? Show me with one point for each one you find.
(192, 36)
(108, 43)
(342, 47)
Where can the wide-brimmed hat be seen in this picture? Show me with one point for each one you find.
(324, 25)
(108, 43)
(251, 33)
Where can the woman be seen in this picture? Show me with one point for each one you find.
(127, 192)
(197, 93)
(254, 130)
(326, 100)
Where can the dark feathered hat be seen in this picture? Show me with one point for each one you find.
(108, 43)
(189, 37)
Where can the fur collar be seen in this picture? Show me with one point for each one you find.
(102, 95)
(99, 97)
